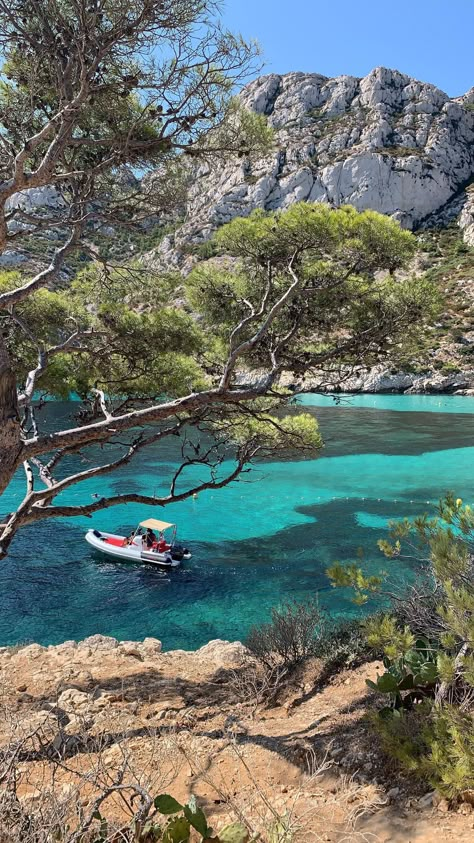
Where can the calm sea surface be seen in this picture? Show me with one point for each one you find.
(255, 543)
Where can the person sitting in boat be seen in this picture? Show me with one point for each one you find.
(149, 539)
(162, 546)
(129, 539)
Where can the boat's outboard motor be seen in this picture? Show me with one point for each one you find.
(178, 551)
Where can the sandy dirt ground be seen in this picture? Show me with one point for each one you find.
(175, 722)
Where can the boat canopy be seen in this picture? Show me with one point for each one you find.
(154, 524)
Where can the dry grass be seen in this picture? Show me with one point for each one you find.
(49, 793)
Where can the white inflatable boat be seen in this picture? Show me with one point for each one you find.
(142, 545)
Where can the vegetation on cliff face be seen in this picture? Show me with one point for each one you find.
(448, 342)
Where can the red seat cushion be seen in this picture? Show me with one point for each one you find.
(115, 542)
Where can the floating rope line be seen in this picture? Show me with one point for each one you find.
(372, 500)
(365, 499)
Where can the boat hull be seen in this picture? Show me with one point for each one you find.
(111, 545)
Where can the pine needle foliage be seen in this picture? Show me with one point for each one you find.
(435, 739)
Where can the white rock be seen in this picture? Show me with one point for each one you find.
(36, 197)
(99, 642)
(11, 258)
(64, 648)
(381, 379)
(151, 646)
(32, 651)
(466, 220)
(427, 800)
(224, 653)
(74, 700)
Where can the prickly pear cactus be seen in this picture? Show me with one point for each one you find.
(234, 833)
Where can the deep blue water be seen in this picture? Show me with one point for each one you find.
(265, 539)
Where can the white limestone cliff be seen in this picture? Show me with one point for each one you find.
(466, 219)
(386, 142)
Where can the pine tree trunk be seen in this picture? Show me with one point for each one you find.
(10, 429)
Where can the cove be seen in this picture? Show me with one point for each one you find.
(262, 540)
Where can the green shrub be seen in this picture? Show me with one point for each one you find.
(408, 677)
(397, 151)
(449, 759)
(450, 368)
(435, 745)
(290, 636)
(428, 647)
(406, 738)
(343, 644)
(203, 251)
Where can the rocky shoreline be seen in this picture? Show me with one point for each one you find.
(383, 379)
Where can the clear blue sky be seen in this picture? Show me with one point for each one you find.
(431, 40)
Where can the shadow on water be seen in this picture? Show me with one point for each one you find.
(354, 430)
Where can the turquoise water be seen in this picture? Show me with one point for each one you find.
(397, 403)
(264, 539)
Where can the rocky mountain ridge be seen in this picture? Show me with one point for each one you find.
(386, 142)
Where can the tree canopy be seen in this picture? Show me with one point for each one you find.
(318, 282)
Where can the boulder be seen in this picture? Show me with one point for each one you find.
(130, 649)
(77, 676)
(99, 642)
(31, 651)
(466, 219)
(224, 653)
(428, 800)
(74, 701)
(151, 646)
(39, 723)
